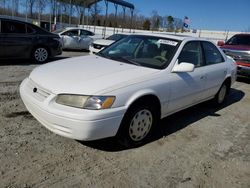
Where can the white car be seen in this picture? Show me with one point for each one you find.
(98, 45)
(75, 38)
(125, 89)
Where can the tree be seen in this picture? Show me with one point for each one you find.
(30, 4)
(146, 25)
(178, 23)
(40, 6)
(95, 10)
(170, 20)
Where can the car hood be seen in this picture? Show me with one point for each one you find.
(236, 47)
(103, 42)
(89, 75)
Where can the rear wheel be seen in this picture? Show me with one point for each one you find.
(137, 125)
(221, 95)
(40, 54)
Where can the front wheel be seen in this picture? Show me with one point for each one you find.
(137, 125)
(40, 54)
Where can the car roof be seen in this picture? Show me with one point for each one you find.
(68, 28)
(242, 34)
(172, 36)
(14, 19)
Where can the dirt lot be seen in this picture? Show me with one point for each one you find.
(198, 147)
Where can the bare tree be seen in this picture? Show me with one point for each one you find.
(15, 7)
(40, 6)
(30, 5)
(155, 20)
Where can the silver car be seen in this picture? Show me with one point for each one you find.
(76, 38)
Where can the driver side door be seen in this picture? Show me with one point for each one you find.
(187, 88)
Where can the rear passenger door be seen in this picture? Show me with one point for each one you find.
(215, 71)
(16, 41)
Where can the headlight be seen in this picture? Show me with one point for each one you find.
(86, 102)
(58, 39)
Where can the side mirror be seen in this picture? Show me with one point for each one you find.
(220, 43)
(183, 67)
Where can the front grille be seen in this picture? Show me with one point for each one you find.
(36, 91)
(238, 55)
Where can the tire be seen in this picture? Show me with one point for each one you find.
(220, 97)
(40, 54)
(137, 125)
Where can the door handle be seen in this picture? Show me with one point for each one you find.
(202, 77)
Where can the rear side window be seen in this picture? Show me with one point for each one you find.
(212, 54)
(86, 33)
(12, 27)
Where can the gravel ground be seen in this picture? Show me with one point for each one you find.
(202, 146)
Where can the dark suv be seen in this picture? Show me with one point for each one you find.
(24, 40)
(238, 47)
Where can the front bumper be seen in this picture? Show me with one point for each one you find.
(93, 50)
(243, 70)
(56, 49)
(70, 122)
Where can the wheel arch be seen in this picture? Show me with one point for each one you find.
(228, 83)
(38, 46)
(149, 96)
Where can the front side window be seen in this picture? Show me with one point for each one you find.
(12, 27)
(212, 54)
(192, 53)
(148, 51)
(71, 33)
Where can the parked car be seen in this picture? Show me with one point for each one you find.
(125, 89)
(75, 38)
(98, 45)
(238, 47)
(24, 40)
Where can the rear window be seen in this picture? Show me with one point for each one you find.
(239, 40)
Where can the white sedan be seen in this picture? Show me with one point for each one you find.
(128, 87)
(75, 38)
(100, 44)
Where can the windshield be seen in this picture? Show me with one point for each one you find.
(116, 37)
(148, 51)
(239, 40)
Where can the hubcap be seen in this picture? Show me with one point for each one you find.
(140, 125)
(41, 54)
(222, 94)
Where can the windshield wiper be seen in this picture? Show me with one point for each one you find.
(130, 61)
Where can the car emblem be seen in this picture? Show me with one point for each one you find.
(34, 89)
